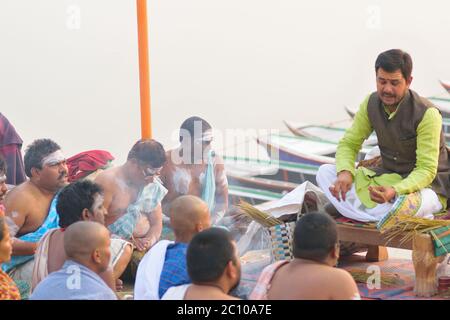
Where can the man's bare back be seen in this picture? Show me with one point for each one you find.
(197, 292)
(312, 281)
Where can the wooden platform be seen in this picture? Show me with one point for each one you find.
(425, 263)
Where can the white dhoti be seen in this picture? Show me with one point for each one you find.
(146, 286)
(353, 208)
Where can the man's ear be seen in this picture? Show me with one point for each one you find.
(35, 172)
(199, 227)
(336, 251)
(231, 270)
(408, 81)
(96, 256)
(85, 215)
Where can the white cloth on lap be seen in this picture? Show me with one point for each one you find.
(149, 271)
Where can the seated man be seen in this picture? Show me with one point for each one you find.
(193, 168)
(311, 274)
(30, 210)
(164, 265)
(79, 201)
(213, 265)
(133, 194)
(413, 174)
(3, 187)
(87, 246)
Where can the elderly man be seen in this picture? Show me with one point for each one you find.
(164, 266)
(133, 194)
(193, 168)
(87, 246)
(412, 174)
(30, 210)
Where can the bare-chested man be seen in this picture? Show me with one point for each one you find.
(213, 265)
(29, 208)
(79, 201)
(186, 171)
(311, 274)
(133, 194)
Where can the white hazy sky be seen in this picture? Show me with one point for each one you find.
(69, 68)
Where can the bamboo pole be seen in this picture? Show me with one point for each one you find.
(144, 69)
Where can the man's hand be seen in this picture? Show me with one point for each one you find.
(141, 244)
(342, 185)
(380, 194)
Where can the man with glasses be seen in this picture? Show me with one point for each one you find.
(133, 194)
(30, 207)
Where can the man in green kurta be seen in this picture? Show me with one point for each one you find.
(413, 173)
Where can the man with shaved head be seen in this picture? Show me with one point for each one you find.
(164, 266)
(86, 245)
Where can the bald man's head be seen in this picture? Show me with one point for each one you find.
(188, 216)
(88, 243)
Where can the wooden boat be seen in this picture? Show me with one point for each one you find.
(446, 85)
(322, 133)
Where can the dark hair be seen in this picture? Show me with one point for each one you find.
(2, 164)
(393, 60)
(2, 228)
(37, 151)
(73, 199)
(149, 152)
(315, 235)
(190, 124)
(208, 254)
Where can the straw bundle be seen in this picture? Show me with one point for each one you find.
(259, 216)
(406, 227)
(387, 279)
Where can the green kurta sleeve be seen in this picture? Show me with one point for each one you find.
(351, 143)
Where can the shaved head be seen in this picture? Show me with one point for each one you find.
(188, 215)
(82, 238)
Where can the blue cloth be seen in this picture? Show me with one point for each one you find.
(147, 201)
(51, 222)
(174, 272)
(73, 282)
(209, 187)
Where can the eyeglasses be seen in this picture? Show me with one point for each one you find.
(150, 172)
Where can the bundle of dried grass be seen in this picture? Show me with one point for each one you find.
(387, 279)
(405, 227)
(259, 216)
